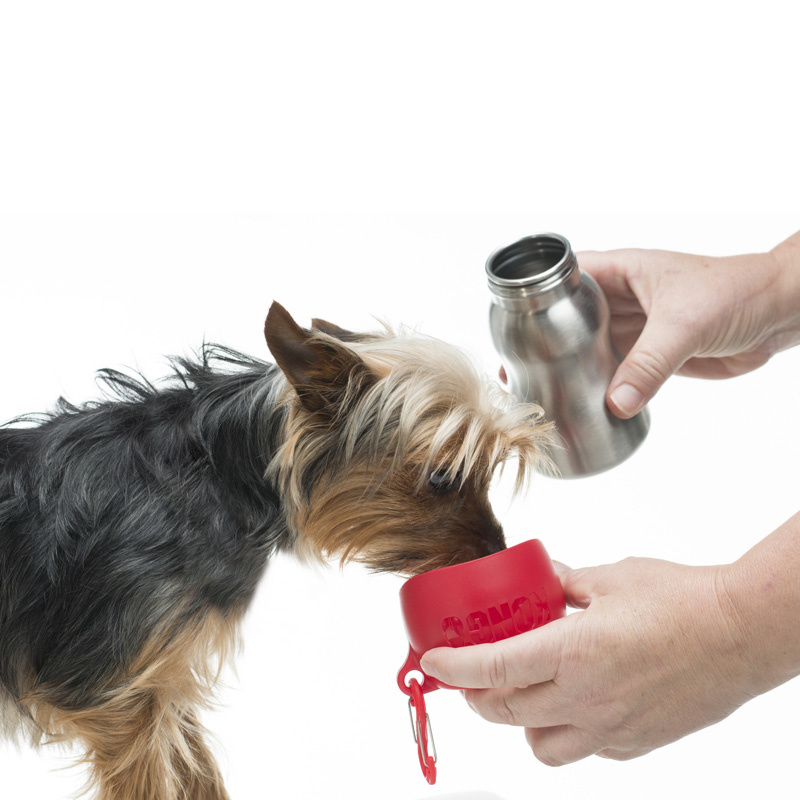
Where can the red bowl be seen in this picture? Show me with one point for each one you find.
(480, 601)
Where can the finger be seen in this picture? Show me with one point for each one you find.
(611, 269)
(720, 368)
(581, 586)
(624, 755)
(563, 744)
(520, 661)
(658, 353)
(539, 706)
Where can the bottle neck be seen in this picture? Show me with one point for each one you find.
(533, 270)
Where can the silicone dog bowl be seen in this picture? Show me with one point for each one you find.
(481, 601)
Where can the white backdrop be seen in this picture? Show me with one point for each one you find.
(169, 169)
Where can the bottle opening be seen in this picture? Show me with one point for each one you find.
(532, 260)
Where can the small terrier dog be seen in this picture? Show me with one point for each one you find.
(133, 531)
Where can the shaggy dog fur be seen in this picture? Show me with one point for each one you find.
(133, 531)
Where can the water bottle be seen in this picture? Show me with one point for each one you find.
(550, 325)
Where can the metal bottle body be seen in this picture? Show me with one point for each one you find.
(550, 326)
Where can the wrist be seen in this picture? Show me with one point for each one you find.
(760, 598)
(786, 260)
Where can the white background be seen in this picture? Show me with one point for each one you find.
(168, 169)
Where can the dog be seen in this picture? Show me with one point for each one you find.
(134, 529)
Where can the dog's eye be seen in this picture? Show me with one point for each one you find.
(443, 481)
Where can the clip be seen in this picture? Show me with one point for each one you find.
(421, 727)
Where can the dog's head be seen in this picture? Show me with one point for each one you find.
(390, 444)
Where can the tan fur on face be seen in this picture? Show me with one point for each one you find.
(398, 527)
(143, 741)
(425, 410)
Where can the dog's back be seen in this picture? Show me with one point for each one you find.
(117, 525)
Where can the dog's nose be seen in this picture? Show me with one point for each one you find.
(491, 539)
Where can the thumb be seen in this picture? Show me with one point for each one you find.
(519, 661)
(659, 353)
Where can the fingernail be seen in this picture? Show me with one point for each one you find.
(627, 399)
(560, 568)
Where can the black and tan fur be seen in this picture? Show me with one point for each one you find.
(133, 531)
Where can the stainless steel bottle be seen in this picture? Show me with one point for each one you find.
(550, 326)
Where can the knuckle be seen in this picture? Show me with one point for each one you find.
(544, 754)
(503, 711)
(555, 747)
(633, 566)
(492, 706)
(573, 580)
(494, 669)
(653, 366)
(616, 754)
(541, 745)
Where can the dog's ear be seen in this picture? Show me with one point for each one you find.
(341, 334)
(319, 370)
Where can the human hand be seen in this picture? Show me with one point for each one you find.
(656, 654)
(694, 315)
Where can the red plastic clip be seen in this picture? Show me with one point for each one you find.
(421, 725)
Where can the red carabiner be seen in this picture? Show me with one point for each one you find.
(422, 731)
